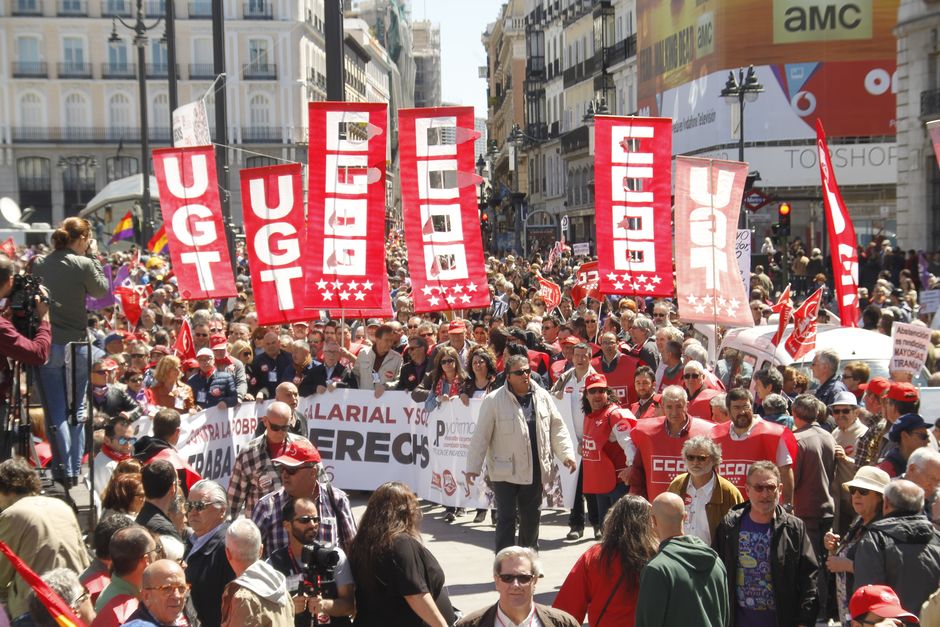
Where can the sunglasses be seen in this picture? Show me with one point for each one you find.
(760, 489)
(597, 391)
(306, 520)
(691, 376)
(522, 372)
(427, 335)
(697, 458)
(124, 441)
(412, 326)
(277, 428)
(521, 579)
(293, 470)
(448, 361)
(836, 412)
(860, 491)
(197, 505)
(136, 379)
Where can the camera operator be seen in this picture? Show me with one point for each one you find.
(71, 272)
(13, 344)
(302, 521)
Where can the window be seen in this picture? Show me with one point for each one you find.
(73, 52)
(119, 118)
(120, 167)
(258, 54)
(117, 56)
(202, 50)
(259, 162)
(160, 118)
(76, 116)
(259, 111)
(34, 178)
(32, 111)
(27, 49)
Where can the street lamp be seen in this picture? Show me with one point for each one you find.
(78, 163)
(140, 29)
(516, 138)
(740, 89)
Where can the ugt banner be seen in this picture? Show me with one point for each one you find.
(633, 176)
(842, 242)
(439, 209)
(346, 205)
(192, 214)
(273, 209)
(708, 282)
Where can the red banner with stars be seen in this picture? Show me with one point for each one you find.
(345, 245)
(439, 209)
(633, 179)
(708, 282)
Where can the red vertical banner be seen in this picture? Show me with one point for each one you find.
(345, 251)
(708, 282)
(803, 337)
(385, 311)
(439, 209)
(782, 308)
(842, 243)
(273, 209)
(550, 293)
(633, 187)
(192, 214)
(585, 283)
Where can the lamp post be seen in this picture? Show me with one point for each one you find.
(141, 29)
(740, 89)
(516, 137)
(76, 163)
(484, 219)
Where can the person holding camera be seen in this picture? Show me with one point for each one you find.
(71, 272)
(13, 344)
(304, 561)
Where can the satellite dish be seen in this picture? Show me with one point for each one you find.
(11, 215)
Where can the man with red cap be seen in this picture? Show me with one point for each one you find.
(564, 361)
(902, 398)
(878, 605)
(225, 363)
(457, 339)
(869, 444)
(299, 467)
(605, 445)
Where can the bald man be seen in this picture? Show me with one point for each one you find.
(163, 596)
(685, 583)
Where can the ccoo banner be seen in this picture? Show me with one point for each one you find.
(192, 214)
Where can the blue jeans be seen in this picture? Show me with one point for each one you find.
(606, 501)
(67, 441)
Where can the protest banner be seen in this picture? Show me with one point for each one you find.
(929, 301)
(911, 342)
(742, 250)
(581, 248)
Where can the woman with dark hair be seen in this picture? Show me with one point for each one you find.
(605, 581)
(479, 384)
(124, 494)
(71, 272)
(398, 581)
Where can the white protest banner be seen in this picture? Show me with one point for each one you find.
(581, 248)
(910, 347)
(929, 301)
(742, 250)
(191, 125)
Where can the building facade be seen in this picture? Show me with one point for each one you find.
(426, 51)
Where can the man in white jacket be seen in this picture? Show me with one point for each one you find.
(518, 430)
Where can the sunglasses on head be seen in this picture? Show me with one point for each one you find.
(860, 491)
(522, 579)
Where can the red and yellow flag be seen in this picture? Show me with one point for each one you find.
(57, 608)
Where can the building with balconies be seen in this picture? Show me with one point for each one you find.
(426, 51)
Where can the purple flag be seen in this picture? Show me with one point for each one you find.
(96, 304)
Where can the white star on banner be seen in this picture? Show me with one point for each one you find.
(451, 299)
(700, 309)
(611, 277)
(465, 299)
(649, 287)
(730, 311)
(353, 285)
(692, 298)
(337, 284)
(367, 285)
(707, 300)
(618, 285)
(434, 300)
(657, 280)
(321, 284)
(344, 295)
(327, 295)
(360, 296)
(625, 277)
(721, 301)
(642, 279)
(427, 289)
(457, 289)
(636, 286)
(471, 287)
(733, 303)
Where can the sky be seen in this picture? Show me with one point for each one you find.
(462, 24)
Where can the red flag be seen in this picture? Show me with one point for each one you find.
(782, 308)
(59, 610)
(192, 214)
(586, 283)
(633, 174)
(708, 282)
(8, 248)
(385, 311)
(550, 293)
(842, 242)
(131, 303)
(273, 203)
(184, 346)
(803, 337)
(442, 220)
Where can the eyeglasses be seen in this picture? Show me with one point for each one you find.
(448, 361)
(166, 590)
(124, 441)
(136, 380)
(427, 335)
(523, 579)
(277, 428)
(306, 520)
(697, 458)
(597, 391)
(198, 505)
(522, 372)
(760, 489)
(412, 326)
(293, 470)
(691, 376)
(860, 491)
(835, 412)
(85, 595)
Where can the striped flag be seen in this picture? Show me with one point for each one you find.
(124, 229)
(58, 609)
(158, 242)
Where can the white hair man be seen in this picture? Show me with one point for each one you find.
(258, 595)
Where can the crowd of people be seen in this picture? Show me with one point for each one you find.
(715, 494)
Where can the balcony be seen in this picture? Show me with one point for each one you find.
(74, 70)
(27, 7)
(575, 140)
(579, 72)
(72, 8)
(258, 10)
(86, 135)
(120, 71)
(621, 51)
(930, 103)
(159, 70)
(200, 10)
(261, 135)
(201, 71)
(115, 8)
(260, 71)
(30, 69)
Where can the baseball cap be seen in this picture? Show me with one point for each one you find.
(456, 326)
(906, 423)
(878, 386)
(160, 349)
(189, 364)
(844, 398)
(571, 340)
(204, 352)
(218, 341)
(595, 380)
(880, 600)
(300, 323)
(869, 478)
(298, 453)
(113, 337)
(903, 392)
(109, 364)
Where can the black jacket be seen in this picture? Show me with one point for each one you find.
(151, 517)
(411, 374)
(208, 571)
(901, 551)
(115, 401)
(341, 375)
(792, 565)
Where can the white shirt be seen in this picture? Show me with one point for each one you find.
(573, 390)
(695, 502)
(783, 453)
(532, 620)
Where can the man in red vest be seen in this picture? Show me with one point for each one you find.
(700, 395)
(618, 368)
(658, 443)
(748, 438)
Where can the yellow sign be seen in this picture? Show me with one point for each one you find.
(821, 20)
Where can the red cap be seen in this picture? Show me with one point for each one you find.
(299, 453)
(218, 341)
(878, 386)
(109, 364)
(457, 326)
(571, 341)
(190, 364)
(595, 380)
(903, 392)
(880, 600)
(160, 349)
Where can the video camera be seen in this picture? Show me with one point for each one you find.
(26, 288)
(318, 562)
